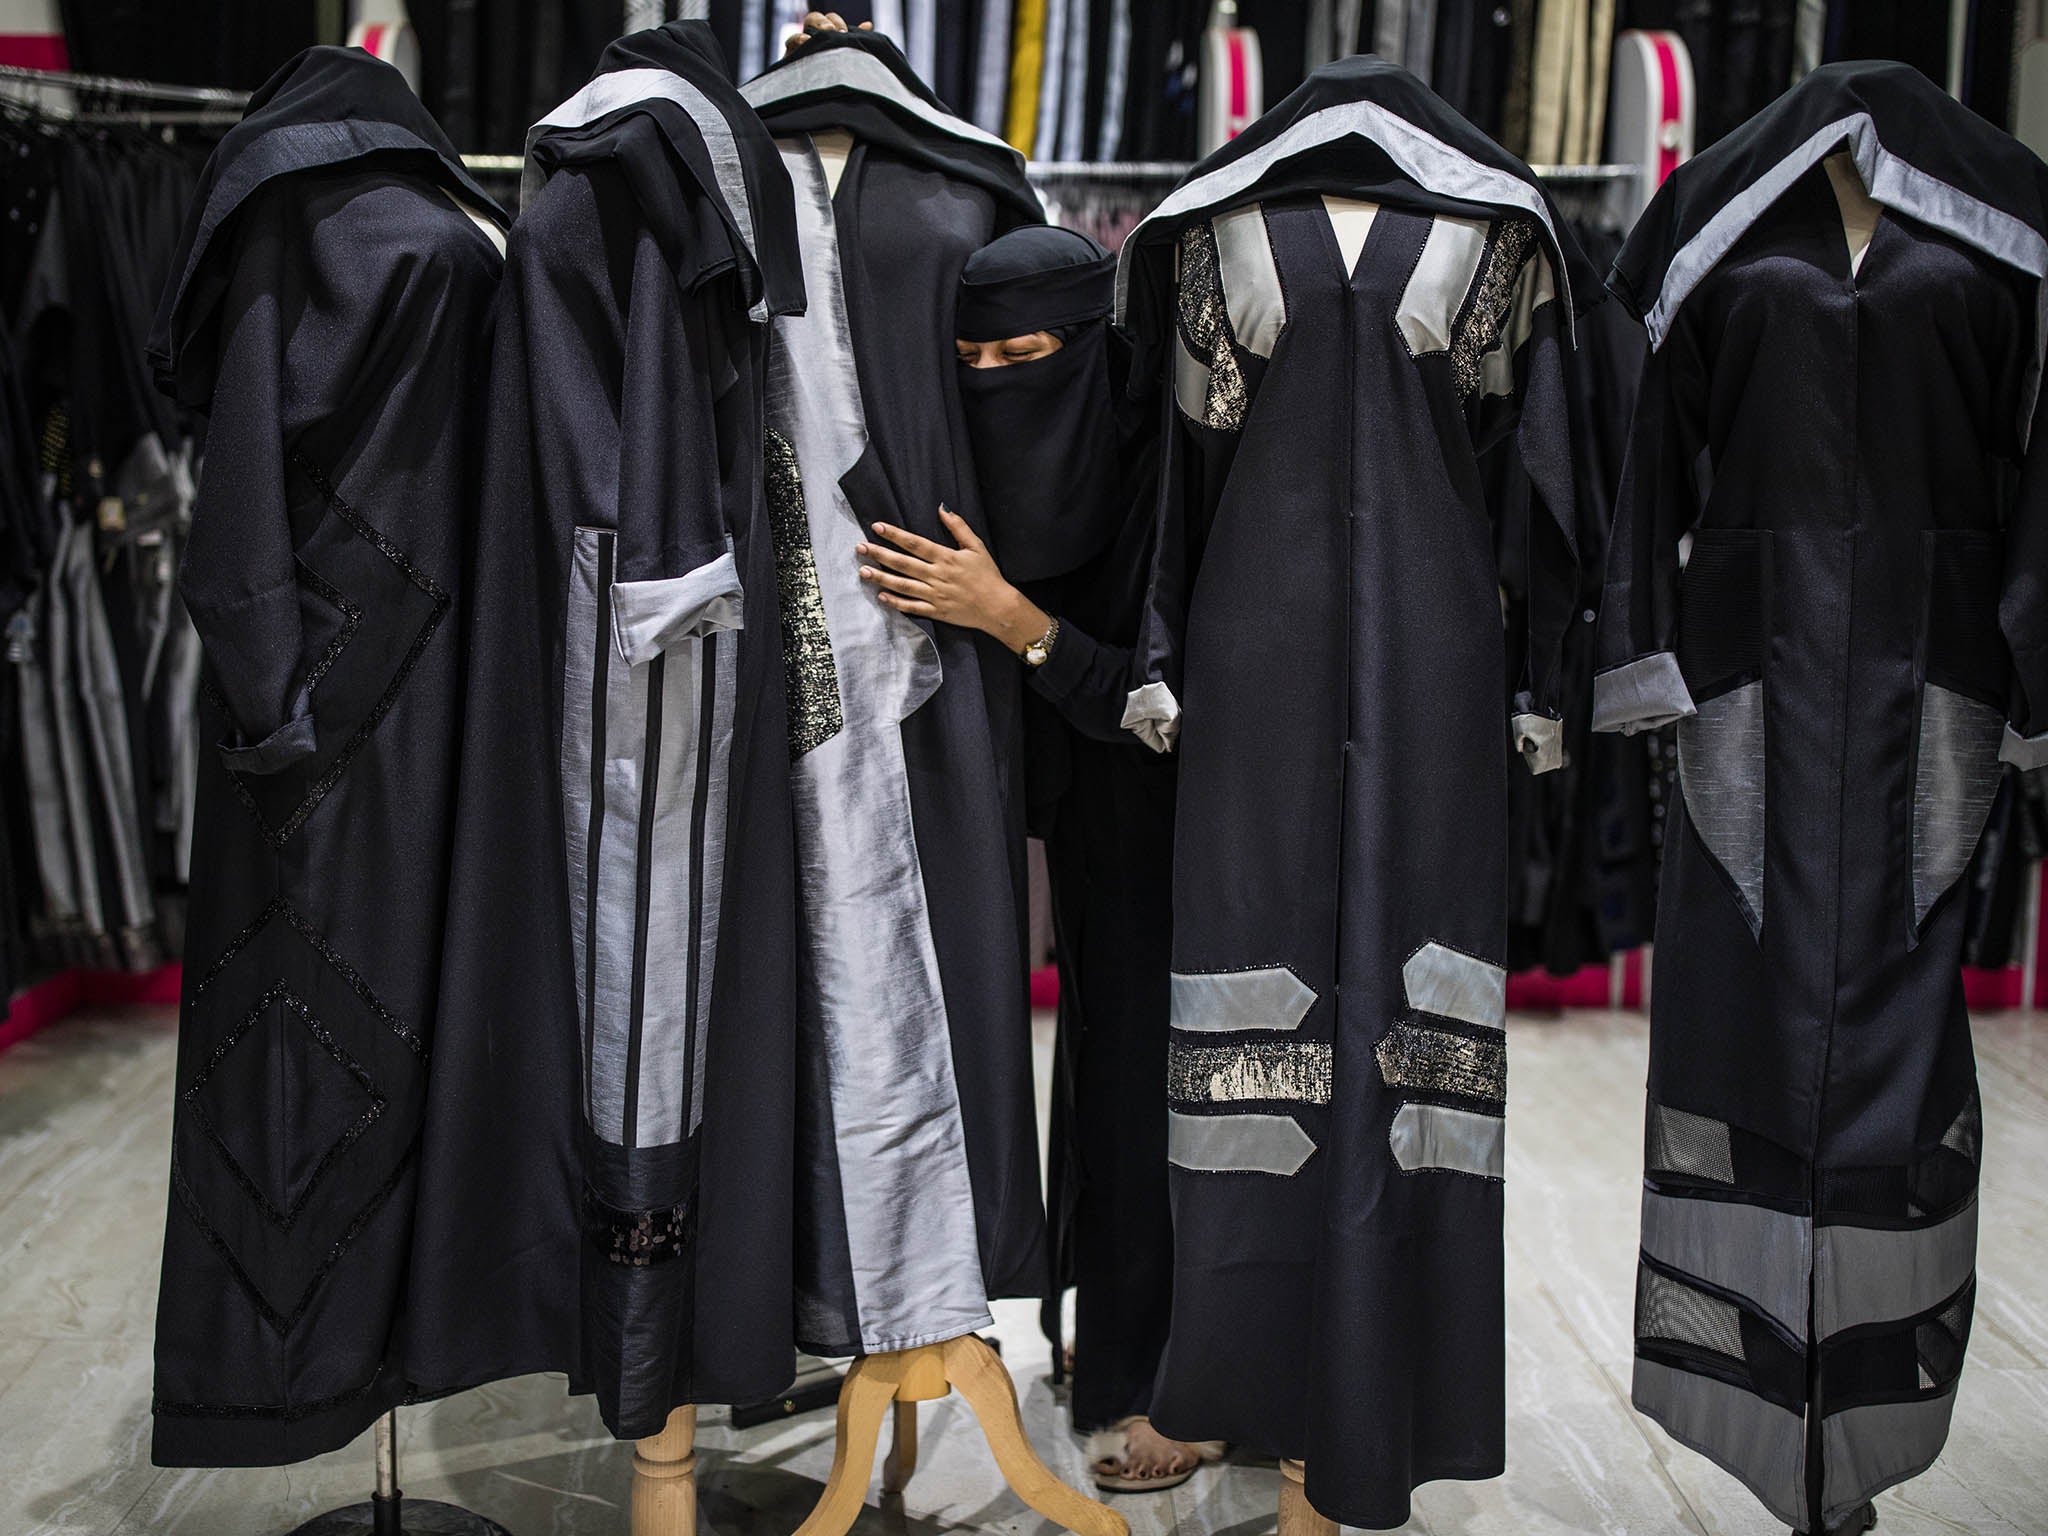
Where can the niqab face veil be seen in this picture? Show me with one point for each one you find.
(1043, 431)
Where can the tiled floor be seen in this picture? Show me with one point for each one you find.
(84, 1133)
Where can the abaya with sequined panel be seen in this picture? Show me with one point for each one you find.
(330, 319)
(625, 874)
(1841, 414)
(1323, 641)
(917, 1157)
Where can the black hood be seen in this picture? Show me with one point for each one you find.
(1360, 127)
(662, 100)
(860, 81)
(1918, 150)
(327, 107)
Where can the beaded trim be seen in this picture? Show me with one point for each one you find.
(1205, 329)
(810, 672)
(1296, 1072)
(1477, 329)
(640, 1239)
(1433, 1060)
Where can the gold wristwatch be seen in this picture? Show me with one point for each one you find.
(1036, 653)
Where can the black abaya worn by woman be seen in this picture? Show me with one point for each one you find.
(1066, 464)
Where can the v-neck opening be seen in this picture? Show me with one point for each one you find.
(1335, 209)
(1856, 211)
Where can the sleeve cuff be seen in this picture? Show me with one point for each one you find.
(1066, 666)
(2025, 753)
(1641, 695)
(650, 616)
(1540, 740)
(1152, 714)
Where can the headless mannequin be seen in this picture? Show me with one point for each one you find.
(1860, 211)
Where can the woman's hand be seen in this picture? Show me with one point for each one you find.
(954, 586)
(820, 21)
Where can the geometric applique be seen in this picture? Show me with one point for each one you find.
(390, 610)
(1721, 777)
(1455, 1049)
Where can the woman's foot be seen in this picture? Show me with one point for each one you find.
(1149, 1462)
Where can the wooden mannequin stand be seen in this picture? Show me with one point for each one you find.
(1298, 1517)
(665, 1492)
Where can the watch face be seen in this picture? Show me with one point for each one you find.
(1035, 655)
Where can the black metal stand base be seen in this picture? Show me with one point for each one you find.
(400, 1517)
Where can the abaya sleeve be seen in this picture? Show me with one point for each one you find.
(1087, 681)
(1638, 686)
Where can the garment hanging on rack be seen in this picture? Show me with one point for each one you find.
(1858, 622)
(626, 704)
(328, 317)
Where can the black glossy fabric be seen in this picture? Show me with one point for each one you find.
(337, 354)
(1868, 543)
(912, 205)
(626, 397)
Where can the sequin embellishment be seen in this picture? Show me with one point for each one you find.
(1416, 1056)
(1478, 328)
(641, 1239)
(810, 673)
(1205, 329)
(1296, 1072)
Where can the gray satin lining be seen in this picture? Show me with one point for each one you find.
(1763, 1256)
(1955, 780)
(1452, 985)
(1759, 1442)
(2023, 752)
(871, 1010)
(1433, 1138)
(1873, 1275)
(1869, 1449)
(1721, 773)
(1252, 294)
(1540, 740)
(1896, 184)
(1641, 695)
(626, 87)
(1270, 997)
(1152, 714)
(650, 616)
(1422, 157)
(1237, 1143)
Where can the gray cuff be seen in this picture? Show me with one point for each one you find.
(1540, 740)
(1641, 695)
(2024, 752)
(1152, 713)
(650, 616)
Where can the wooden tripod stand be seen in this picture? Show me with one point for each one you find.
(664, 1484)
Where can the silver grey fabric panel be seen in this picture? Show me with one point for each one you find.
(650, 616)
(1251, 280)
(1721, 772)
(1895, 183)
(1190, 381)
(1763, 1256)
(1453, 985)
(2023, 752)
(1419, 155)
(722, 677)
(1874, 1275)
(1434, 1138)
(1270, 997)
(1759, 1442)
(1641, 695)
(1272, 1144)
(1955, 780)
(1869, 1449)
(1290, 1071)
(1693, 1145)
(871, 1005)
(1436, 289)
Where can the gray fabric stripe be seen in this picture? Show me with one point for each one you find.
(859, 71)
(1427, 160)
(1052, 74)
(1116, 83)
(581, 638)
(1891, 181)
(1190, 382)
(624, 87)
(1432, 1138)
(648, 617)
(1869, 1449)
(1440, 980)
(2023, 752)
(105, 709)
(1269, 997)
(1443, 275)
(60, 622)
(1758, 1442)
(1873, 1275)
(1251, 282)
(992, 67)
(1074, 91)
(872, 1013)
(724, 684)
(1641, 695)
(1955, 780)
(1763, 1256)
(1721, 773)
(1237, 1143)
(1293, 1071)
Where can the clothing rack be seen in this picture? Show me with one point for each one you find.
(188, 105)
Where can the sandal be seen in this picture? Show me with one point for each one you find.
(1108, 1451)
